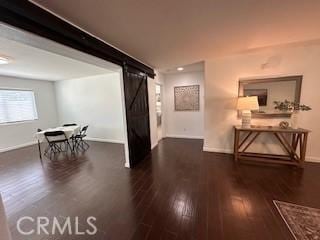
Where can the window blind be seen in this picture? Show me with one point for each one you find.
(17, 106)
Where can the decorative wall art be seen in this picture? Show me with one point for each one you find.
(186, 98)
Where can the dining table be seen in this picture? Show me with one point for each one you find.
(69, 131)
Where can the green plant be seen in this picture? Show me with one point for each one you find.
(288, 106)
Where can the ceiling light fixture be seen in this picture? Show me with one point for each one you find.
(180, 68)
(4, 60)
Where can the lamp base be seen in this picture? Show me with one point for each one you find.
(246, 118)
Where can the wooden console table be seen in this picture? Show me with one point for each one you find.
(293, 142)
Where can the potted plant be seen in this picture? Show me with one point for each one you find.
(293, 107)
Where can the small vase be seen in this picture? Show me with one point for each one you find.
(294, 119)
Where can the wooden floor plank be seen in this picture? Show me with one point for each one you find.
(179, 192)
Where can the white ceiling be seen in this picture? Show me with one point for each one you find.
(194, 67)
(166, 33)
(35, 63)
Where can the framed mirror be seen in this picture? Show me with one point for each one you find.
(269, 90)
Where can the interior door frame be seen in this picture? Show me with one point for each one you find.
(124, 114)
(162, 110)
(29, 17)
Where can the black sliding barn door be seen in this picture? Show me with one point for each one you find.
(137, 113)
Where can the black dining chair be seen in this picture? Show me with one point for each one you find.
(69, 124)
(55, 140)
(39, 146)
(80, 143)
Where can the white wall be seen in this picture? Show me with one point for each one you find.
(221, 90)
(95, 101)
(22, 134)
(183, 124)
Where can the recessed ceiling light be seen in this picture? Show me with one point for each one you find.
(4, 60)
(180, 68)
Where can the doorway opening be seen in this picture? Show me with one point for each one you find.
(159, 111)
(69, 87)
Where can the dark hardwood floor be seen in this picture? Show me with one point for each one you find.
(179, 193)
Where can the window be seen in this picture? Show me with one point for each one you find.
(17, 106)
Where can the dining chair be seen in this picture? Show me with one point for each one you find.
(55, 140)
(79, 139)
(70, 125)
(39, 146)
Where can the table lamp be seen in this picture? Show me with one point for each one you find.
(246, 104)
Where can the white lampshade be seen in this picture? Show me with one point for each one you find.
(248, 103)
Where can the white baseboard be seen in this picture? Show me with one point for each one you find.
(18, 146)
(218, 150)
(127, 165)
(104, 140)
(183, 136)
(154, 145)
(313, 159)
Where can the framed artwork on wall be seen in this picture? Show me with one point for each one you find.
(187, 98)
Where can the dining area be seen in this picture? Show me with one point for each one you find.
(65, 139)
